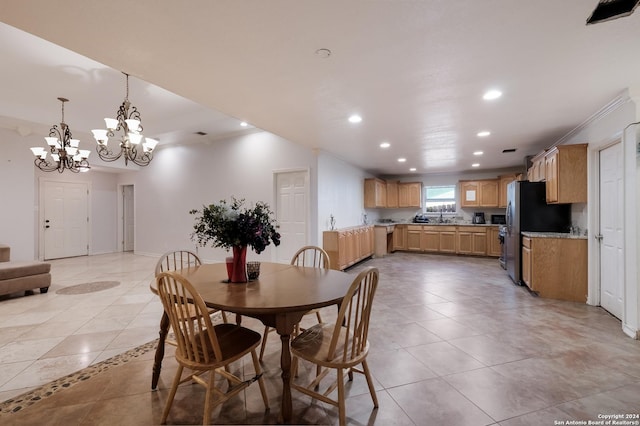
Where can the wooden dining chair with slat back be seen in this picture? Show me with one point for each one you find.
(342, 346)
(310, 256)
(179, 259)
(203, 347)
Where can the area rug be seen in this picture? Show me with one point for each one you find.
(91, 287)
(19, 402)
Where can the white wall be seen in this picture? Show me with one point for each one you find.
(182, 178)
(340, 193)
(17, 174)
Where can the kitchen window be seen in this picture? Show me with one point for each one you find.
(440, 199)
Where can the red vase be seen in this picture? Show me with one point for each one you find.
(239, 272)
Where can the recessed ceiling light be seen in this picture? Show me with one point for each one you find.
(401, 160)
(413, 169)
(478, 153)
(244, 124)
(484, 133)
(355, 118)
(475, 165)
(491, 95)
(385, 145)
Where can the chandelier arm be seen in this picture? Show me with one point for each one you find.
(106, 154)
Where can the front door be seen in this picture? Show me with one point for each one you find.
(66, 219)
(292, 207)
(611, 230)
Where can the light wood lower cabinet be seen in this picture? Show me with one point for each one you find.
(494, 248)
(348, 246)
(469, 240)
(472, 240)
(555, 268)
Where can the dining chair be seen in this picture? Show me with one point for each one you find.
(310, 256)
(341, 346)
(178, 259)
(204, 347)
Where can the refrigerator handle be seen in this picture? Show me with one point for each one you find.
(509, 219)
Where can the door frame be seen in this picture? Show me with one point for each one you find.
(307, 184)
(40, 224)
(120, 224)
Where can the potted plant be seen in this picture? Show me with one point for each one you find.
(235, 226)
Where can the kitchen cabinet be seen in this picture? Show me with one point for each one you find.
(537, 172)
(410, 194)
(392, 194)
(439, 238)
(494, 248)
(479, 193)
(414, 237)
(400, 237)
(566, 174)
(375, 193)
(383, 239)
(472, 240)
(555, 268)
(503, 181)
(348, 246)
(430, 239)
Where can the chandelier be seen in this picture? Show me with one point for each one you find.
(65, 154)
(127, 121)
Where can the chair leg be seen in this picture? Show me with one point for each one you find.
(319, 317)
(372, 391)
(172, 394)
(263, 390)
(208, 403)
(264, 340)
(341, 403)
(224, 317)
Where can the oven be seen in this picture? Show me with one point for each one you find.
(502, 232)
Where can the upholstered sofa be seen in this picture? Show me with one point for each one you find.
(22, 276)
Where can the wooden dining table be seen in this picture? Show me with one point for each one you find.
(279, 298)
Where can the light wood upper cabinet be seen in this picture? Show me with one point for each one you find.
(410, 194)
(375, 193)
(504, 180)
(392, 194)
(537, 171)
(566, 174)
(479, 193)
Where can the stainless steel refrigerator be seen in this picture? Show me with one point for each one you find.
(527, 210)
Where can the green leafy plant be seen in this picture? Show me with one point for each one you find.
(233, 224)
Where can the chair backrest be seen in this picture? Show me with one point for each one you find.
(349, 340)
(311, 256)
(189, 319)
(176, 260)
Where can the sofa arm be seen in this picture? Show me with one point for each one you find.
(5, 253)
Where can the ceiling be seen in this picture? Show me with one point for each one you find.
(415, 71)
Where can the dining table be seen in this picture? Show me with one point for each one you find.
(279, 298)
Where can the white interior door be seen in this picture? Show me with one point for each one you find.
(611, 230)
(128, 223)
(292, 210)
(66, 219)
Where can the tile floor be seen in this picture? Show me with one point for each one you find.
(453, 342)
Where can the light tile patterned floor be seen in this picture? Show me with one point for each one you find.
(453, 342)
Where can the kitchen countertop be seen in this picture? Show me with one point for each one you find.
(554, 235)
(439, 224)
